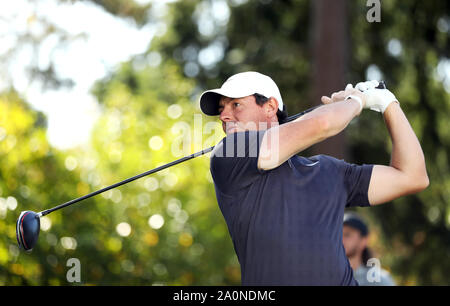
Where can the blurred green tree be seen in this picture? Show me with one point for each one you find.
(145, 111)
(29, 171)
(37, 34)
(164, 229)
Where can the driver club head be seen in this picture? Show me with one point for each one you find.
(27, 229)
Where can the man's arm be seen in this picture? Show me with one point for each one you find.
(407, 172)
(281, 142)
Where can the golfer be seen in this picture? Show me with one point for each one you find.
(284, 212)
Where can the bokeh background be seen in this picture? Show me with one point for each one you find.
(91, 92)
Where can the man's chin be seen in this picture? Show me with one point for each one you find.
(234, 130)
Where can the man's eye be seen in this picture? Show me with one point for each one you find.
(236, 104)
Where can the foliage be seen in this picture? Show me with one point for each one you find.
(192, 247)
(29, 171)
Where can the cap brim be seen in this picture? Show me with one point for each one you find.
(209, 100)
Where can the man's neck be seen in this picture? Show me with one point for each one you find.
(355, 262)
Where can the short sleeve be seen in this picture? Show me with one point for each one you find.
(234, 161)
(356, 181)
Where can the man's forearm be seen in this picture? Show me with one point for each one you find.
(337, 115)
(281, 142)
(407, 155)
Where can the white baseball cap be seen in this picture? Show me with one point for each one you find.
(237, 86)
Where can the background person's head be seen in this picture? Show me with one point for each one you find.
(355, 238)
(244, 101)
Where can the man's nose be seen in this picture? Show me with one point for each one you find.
(226, 114)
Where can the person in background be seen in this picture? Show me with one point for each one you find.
(355, 239)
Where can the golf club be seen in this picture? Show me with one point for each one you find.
(28, 223)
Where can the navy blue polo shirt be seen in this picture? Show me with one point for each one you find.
(286, 223)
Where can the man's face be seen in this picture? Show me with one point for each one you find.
(353, 242)
(240, 114)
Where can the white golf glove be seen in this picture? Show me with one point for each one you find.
(376, 99)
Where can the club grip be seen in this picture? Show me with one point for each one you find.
(381, 85)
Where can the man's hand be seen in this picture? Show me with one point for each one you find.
(345, 94)
(376, 99)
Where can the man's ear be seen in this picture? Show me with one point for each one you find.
(271, 107)
(364, 242)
